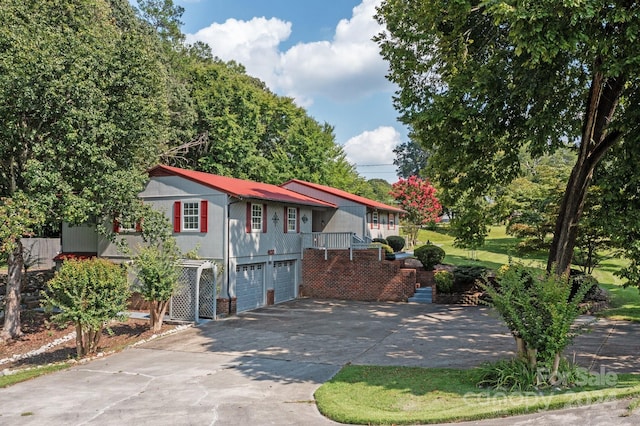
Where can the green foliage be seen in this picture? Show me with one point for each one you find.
(470, 222)
(538, 309)
(410, 159)
(396, 242)
(429, 255)
(512, 375)
(89, 293)
(444, 281)
(157, 270)
(381, 241)
(481, 82)
(466, 276)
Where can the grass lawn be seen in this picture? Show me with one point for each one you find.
(404, 395)
(499, 247)
(32, 373)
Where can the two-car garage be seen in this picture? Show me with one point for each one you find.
(252, 281)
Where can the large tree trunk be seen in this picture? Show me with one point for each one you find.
(596, 141)
(12, 301)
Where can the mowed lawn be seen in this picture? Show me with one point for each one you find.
(499, 249)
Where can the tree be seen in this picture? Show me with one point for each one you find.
(418, 198)
(380, 191)
(83, 114)
(481, 81)
(411, 159)
(157, 270)
(89, 293)
(529, 204)
(539, 310)
(470, 223)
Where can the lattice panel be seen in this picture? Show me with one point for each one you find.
(207, 294)
(183, 301)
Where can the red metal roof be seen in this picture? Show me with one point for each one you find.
(240, 188)
(347, 196)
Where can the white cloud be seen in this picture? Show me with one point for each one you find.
(373, 147)
(346, 68)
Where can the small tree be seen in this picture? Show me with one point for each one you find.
(418, 198)
(538, 309)
(89, 293)
(157, 270)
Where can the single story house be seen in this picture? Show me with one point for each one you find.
(255, 231)
(368, 218)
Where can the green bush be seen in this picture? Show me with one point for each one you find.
(444, 281)
(465, 277)
(388, 251)
(157, 270)
(381, 241)
(538, 308)
(396, 242)
(89, 293)
(429, 255)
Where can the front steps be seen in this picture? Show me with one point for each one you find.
(422, 295)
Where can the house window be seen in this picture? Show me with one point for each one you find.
(256, 217)
(374, 220)
(191, 216)
(292, 219)
(392, 221)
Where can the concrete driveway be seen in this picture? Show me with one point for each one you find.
(262, 367)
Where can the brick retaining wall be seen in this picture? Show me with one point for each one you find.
(365, 278)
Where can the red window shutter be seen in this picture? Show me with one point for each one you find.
(177, 210)
(248, 227)
(264, 218)
(286, 219)
(204, 215)
(298, 220)
(116, 226)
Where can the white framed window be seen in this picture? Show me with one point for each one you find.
(191, 216)
(374, 220)
(256, 217)
(292, 219)
(392, 221)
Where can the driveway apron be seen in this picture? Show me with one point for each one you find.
(262, 367)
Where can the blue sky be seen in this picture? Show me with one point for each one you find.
(318, 52)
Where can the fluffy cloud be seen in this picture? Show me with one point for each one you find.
(373, 147)
(347, 67)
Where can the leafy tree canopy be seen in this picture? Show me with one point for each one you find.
(480, 81)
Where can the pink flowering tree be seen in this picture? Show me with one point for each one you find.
(418, 198)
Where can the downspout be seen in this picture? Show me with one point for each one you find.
(225, 253)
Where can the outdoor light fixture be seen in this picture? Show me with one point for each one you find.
(275, 218)
(304, 218)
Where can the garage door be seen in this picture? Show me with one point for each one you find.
(249, 286)
(285, 280)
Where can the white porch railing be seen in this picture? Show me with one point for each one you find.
(335, 241)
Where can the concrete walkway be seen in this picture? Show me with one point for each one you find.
(262, 367)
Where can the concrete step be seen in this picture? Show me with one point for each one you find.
(422, 295)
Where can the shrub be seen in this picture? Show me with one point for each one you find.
(157, 271)
(538, 309)
(381, 241)
(465, 277)
(444, 281)
(396, 242)
(89, 293)
(429, 255)
(388, 251)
